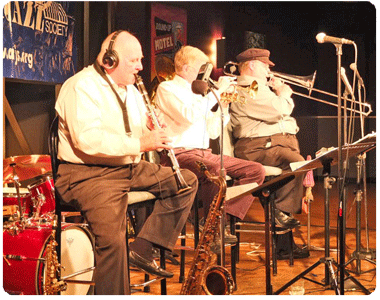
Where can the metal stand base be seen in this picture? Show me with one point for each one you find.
(364, 254)
(328, 261)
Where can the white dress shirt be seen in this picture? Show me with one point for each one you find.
(189, 118)
(92, 128)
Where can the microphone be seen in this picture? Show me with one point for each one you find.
(345, 80)
(323, 38)
(354, 68)
(200, 87)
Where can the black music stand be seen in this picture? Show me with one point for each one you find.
(266, 193)
(325, 161)
(362, 253)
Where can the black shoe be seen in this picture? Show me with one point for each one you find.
(285, 221)
(170, 256)
(147, 266)
(298, 253)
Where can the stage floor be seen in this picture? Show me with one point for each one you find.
(251, 268)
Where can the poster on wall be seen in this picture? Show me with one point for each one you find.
(169, 34)
(38, 41)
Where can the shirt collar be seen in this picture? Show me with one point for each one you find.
(182, 81)
(117, 88)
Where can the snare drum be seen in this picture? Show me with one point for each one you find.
(10, 199)
(43, 196)
(24, 273)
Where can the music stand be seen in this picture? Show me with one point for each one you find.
(360, 253)
(325, 161)
(266, 193)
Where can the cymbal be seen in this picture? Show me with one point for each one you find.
(26, 167)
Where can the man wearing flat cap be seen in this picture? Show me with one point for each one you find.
(265, 132)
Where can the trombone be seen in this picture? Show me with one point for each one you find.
(305, 82)
(308, 82)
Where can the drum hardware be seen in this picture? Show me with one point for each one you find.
(68, 280)
(21, 168)
(6, 260)
(17, 184)
(10, 211)
(21, 258)
(43, 197)
(26, 167)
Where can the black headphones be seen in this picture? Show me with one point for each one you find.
(110, 58)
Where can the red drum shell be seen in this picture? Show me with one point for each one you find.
(26, 276)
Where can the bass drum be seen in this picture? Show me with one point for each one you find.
(23, 259)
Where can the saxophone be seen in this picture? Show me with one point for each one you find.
(52, 285)
(203, 277)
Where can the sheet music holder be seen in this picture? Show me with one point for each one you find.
(255, 190)
(369, 138)
(331, 157)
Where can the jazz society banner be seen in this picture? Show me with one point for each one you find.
(38, 40)
(169, 32)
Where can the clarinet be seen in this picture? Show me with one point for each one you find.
(182, 185)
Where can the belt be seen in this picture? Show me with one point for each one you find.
(96, 165)
(267, 136)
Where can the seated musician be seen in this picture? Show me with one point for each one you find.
(265, 132)
(191, 123)
(101, 163)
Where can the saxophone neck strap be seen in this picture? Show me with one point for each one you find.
(123, 105)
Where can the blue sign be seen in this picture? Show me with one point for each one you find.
(38, 40)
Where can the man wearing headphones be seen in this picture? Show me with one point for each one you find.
(103, 130)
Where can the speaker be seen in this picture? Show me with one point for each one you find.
(110, 58)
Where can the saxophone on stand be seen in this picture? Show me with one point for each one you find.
(204, 277)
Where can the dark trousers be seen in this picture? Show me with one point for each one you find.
(240, 170)
(102, 195)
(277, 151)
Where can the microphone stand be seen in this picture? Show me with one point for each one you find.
(341, 192)
(222, 173)
(341, 188)
(361, 178)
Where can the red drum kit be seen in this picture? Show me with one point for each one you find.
(29, 226)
